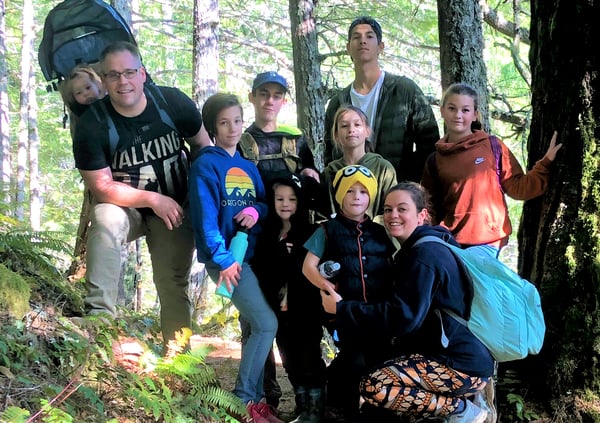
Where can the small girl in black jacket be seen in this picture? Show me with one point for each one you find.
(296, 302)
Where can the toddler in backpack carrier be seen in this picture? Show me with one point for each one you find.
(81, 88)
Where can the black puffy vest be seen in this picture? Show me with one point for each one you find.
(364, 252)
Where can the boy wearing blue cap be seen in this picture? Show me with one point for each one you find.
(275, 149)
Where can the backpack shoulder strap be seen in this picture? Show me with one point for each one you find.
(428, 238)
(432, 166)
(497, 150)
(289, 155)
(156, 96)
(101, 113)
(248, 148)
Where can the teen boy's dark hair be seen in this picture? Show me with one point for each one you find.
(367, 20)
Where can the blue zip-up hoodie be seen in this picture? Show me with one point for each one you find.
(427, 277)
(221, 186)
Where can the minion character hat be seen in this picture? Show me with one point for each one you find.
(348, 176)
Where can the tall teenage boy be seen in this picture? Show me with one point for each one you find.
(403, 123)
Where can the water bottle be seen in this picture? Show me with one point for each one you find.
(328, 269)
(237, 247)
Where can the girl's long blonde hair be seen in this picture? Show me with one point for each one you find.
(337, 144)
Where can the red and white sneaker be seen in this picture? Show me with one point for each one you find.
(263, 412)
(254, 415)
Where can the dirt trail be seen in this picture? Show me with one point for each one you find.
(226, 358)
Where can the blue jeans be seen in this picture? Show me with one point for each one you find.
(250, 302)
(271, 386)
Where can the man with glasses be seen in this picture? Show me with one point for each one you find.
(139, 184)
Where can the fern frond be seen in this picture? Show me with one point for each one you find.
(33, 252)
(14, 415)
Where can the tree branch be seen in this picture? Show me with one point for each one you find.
(502, 25)
(280, 58)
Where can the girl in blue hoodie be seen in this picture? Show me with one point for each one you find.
(226, 192)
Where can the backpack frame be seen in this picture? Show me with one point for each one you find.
(76, 32)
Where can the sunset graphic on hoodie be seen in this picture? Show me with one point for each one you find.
(239, 185)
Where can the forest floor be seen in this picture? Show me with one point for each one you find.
(226, 359)
(226, 356)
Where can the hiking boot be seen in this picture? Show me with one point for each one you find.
(312, 405)
(301, 399)
(471, 414)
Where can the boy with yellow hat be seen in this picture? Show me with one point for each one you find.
(364, 251)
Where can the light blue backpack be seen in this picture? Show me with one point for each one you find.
(506, 313)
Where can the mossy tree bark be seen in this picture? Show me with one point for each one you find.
(559, 235)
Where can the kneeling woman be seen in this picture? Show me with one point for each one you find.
(423, 377)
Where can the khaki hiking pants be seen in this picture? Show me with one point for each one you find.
(171, 254)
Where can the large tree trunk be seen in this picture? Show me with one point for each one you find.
(206, 53)
(310, 102)
(559, 235)
(124, 9)
(461, 48)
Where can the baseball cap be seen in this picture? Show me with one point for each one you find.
(267, 77)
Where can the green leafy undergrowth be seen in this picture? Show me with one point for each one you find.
(14, 293)
(184, 389)
(34, 257)
(57, 369)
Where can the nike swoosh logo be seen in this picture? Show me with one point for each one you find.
(479, 160)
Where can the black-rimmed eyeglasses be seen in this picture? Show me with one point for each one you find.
(114, 76)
